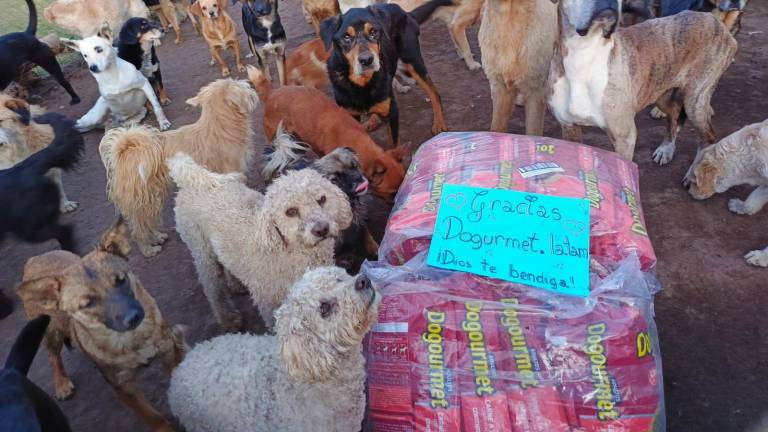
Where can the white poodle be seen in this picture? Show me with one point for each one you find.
(266, 241)
(310, 377)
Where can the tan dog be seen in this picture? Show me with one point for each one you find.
(305, 66)
(218, 31)
(20, 137)
(601, 77)
(134, 158)
(166, 13)
(84, 18)
(739, 158)
(516, 41)
(100, 305)
(315, 11)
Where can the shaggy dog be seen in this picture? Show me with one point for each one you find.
(84, 18)
(309, 377)
(739, 158)
(266, 241)
(134, 158)
(21, 136)
(99, 304)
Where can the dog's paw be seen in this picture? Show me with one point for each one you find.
(160, 237)
(75, 100)
(178, 41)
(473, 65)
(664, 154)
(740, 207)
(150, 250)
(657, 113)
(241, 68)
(165, 102)
(438, 125)
(68, 206)
(212, 62)
(249, 55)
(757, 258)
(400, 88)
(164, 125)
(64, 389)
(225, 72)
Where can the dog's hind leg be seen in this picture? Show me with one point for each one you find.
(671, 104)
(133, 398)
(464, 16)
(169, 11)
(699, 111)
(65, 205)
(44, 57)
(503, 100)
(623, 137)
(63, 386)
(252, 48)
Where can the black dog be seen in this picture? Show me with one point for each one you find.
(19, 48)
(29, 200)
(136, 45)
(25, 407)
(722, 8)
(367, 45)
(266, 34)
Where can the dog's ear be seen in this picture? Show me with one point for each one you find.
(305, 355)
(21, 108)
(105, 32)
(115, 240)
(706, 177)
(196, 10)
(376, 172)
(606, 20)
(71, 44)
(243, 96)
(328, 27)
(44, 292)
(399, 153)
(222, 5)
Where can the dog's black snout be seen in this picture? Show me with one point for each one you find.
(582, 32)
(362, 283)
(365, 59)
(93, 68)
(133, 318)
(321, 229)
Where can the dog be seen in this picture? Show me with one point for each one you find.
(23, 405)
(84, 18)
(29, 199)
(266, 35)
(136, 45)
(313, 118)
(342, 168)
(305, 66)
(134, 157)
(16, 49)
(315, 11)
(218, 31)
(602, 75)
(315, 359)
(728, 11)
(367, 44)
(123, 89)
(517, 38)
(99, 304)
(166, 12)
(739, 158)
(265, 241)
(21, 136)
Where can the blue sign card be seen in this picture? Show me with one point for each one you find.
(527, 238)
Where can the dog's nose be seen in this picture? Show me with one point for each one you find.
(133, 318)
(362, 283)
(212, 13)
(93, 68)
(582, 32)
(321, 229)
(365, 59)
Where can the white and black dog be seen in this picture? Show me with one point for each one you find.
(266, 34)
(123, 89)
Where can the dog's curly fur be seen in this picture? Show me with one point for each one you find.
(266, 241)
(134, 157)
(309, 377)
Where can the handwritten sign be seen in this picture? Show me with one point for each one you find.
(527, 238)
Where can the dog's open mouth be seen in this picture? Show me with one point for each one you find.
(362, 188)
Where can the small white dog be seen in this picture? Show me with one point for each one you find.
(266, 241)
(739, 158)
(310, 377)
(123, 89)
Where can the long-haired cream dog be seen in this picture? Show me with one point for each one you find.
(266, 241)
(739, 158)
(137, 177)
(310, 377)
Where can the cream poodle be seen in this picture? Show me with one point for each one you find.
(266, 241)
(739, 158)
(310, 377)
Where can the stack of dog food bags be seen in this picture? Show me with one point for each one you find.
(455, 351)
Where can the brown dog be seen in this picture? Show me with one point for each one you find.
(166, 12)
(305, 66)
(218, 31)
(100, 305)
(316, 120)
(315, 11)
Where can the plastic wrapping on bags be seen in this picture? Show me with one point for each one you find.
(458, 352)
(523, 163)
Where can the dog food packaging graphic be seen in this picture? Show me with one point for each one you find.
(522, 163)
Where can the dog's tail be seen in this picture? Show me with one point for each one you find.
(24, 349)
(260, 82)
(188, 174)
(137, 178)
(32, 26)
(287, 150)
(63, 152)
(423, 12)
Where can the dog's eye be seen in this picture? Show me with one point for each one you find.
(347, 38)
(373, 35)
(292, 212)
(98, 50)
(325, 309)
(85, 55)
(119, 279)
(88, 302)
(321, 201)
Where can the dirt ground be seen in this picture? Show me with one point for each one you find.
(710, 313)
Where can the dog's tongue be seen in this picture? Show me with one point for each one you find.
(362, 187)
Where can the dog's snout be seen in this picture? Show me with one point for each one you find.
(212, 14)
(365, 59)
(321, 229)
(133, 318)
(582, 31)
(93, 68)
(362, 283)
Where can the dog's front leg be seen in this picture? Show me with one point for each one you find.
(535, 107)
(94, 117)
(238, 61)
(216, 53)
(280, 54)
(65, 205)
(425, 82)
(134, 399)
(149, 92)
(753, 204)
(623, 137)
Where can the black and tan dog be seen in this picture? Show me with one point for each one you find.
(728, 11)
(266, 34)
(367, 46)
(136, 45)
